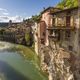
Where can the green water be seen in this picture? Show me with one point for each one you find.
(14, 67)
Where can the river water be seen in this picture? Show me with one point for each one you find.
(14, 67)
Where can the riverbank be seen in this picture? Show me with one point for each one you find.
(29, 54)
(13, 66)
(26, 52)
(5, 45)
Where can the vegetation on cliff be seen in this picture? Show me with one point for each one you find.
(29, 37)
(36, 18)
(27, 52)
(67, 4)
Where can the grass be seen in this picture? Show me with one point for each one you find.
(29, 54)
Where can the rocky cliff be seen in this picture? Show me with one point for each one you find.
(58, 63)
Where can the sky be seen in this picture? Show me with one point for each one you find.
(17, 10)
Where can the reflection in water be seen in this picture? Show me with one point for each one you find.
(14, 67)
(8, 73)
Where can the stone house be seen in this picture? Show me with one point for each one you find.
(63, 24)
(60, 60)
(45, 22)
(66, 29)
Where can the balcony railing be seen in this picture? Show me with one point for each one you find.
(61, 27)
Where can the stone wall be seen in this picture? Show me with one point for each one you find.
(58, 63)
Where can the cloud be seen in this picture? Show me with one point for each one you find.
(2, 9)
(27, 17)
(13, 18)
(16, 18)
(5, 16)
(5, 13)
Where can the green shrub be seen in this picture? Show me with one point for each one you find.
(28, 39)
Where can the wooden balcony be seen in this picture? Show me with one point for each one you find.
(61, 28)
(51, 36)
(54, 38)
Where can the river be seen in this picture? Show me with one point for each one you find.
(14, 67)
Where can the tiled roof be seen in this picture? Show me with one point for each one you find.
(52, 9)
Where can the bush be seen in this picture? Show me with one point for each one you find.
(28, 39)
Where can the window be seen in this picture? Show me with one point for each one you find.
(53, 21)
(60, 21)
(43, 33)
(57, 35)
(70, 48)
(50, 32)
(67, 35)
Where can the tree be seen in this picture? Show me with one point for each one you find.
(27, 39)
(36, 18)
(67, 4)
(2, 31)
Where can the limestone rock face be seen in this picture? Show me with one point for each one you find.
(59, 64)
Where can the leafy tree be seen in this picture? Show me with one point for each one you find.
(36, 18)
(75, 3)
(2, 31)
(27, 38)
(67, 4)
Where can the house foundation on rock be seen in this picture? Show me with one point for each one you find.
(58, 41)
(61, 26)
(44, 23)
(66, 29)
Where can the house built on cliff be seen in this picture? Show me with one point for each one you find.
(58, 43)
(46, 22)
(41, 33)
(61, 26)
(66, 29)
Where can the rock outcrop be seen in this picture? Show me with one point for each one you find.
(59, 64)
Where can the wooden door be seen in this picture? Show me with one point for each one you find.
(43, 31)
(68, 21)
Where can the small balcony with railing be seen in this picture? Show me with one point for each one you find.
(60, 24)
(63, 23)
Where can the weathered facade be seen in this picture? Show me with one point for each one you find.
(45, 22)
(66, 29)
(47, 18)
(58, 39)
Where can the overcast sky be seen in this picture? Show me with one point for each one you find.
(16, 10)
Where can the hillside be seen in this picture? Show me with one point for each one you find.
(3, 25)
(6, 24)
